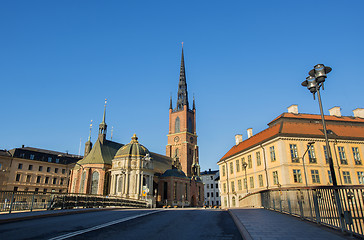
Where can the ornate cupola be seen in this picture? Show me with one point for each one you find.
(88, 144)
(103, 126)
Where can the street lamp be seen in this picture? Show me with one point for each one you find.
(303, 159)
(246, 179)
(314, 82)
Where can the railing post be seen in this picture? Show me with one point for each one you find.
(317, 209)
(12, 202)
(31, 207)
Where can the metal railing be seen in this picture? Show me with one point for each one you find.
(23, 201)
(337, 207)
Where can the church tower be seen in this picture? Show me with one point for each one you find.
(182, 138)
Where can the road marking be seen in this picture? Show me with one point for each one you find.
(72, 234)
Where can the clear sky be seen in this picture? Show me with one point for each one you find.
(245, 61)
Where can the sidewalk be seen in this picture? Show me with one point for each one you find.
(255, 223)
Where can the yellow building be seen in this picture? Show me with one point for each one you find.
(34, 169)
(273, 157)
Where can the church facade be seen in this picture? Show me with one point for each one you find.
(132, 171)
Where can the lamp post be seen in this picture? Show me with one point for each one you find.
(303, 160)
(246, 179)
(314, 82)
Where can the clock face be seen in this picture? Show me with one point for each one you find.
(176, 139)
(191, 139)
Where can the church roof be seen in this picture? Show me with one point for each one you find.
(160, 162)
(101, 153)
(132, 149)
(174, 173)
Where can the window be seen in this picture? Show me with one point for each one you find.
(0, 166)
(272, 154)
(57, 160)
(232, 186)
(294, 154)
(223, 171)
(361, 177)
(211, 177)
(275, 178)
(38, 179)
(48, 169)
(56, 170)
(311, 154)
(233, 201)
(44, 190)
(225, 202)
(20, 166)
(346, 176)
(260, 178)
(216, 185)
(231, 168)
(245, 183)
(31, 157)
(190, 125)
(240, 187)
(297, 176)
(30, 167)
(17, 177)
(330, 177)
(224, 187)
(28, 178)
(212, 194)
(176, 125)
(251, 179)
(217, 203)
(36, 190)
(63, 171)
(217, 194)
(257, 155)
(15, 189)
(342, 155)
(238, 165)
(326, 156)
(175, 191)
(315, 176)
(40, 168)
(356, 155)
(212, 185)
(46, 180)
(54, 180)
(49, 159)
(250, 164)
(207, 186)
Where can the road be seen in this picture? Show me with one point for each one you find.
(127, 224)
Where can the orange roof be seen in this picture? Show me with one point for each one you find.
(303, 129)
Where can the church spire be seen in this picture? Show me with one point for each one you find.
(89, 136)
(103, 125)
(193, 106)
(170, 103)
(182, 86)
(88, 144)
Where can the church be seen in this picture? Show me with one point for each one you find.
(132, 171)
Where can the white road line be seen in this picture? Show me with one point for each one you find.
(72, 234)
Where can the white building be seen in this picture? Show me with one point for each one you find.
(211, 182)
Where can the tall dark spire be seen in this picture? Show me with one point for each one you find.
(182, 86)
(193, 105)
(170, 103)
(103, 125)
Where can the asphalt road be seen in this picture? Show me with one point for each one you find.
(127, 224)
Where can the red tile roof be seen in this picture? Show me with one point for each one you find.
(342, 128)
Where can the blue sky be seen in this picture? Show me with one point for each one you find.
(245, 61)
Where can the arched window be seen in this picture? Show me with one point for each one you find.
(177, 125)
(176, 153)
(190, 125)
(94, 182)
(82, 184)
(233, 201)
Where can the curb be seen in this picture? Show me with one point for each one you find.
(16, 219)
(244, 233)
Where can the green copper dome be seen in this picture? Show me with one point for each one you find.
(133, 149)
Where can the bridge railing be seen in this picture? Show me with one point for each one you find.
(23, 201)
(339, 207)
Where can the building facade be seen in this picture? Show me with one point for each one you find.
(274, 157)
(132, 171)
(34, 169)
(211, 182)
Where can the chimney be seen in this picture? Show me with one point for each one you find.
(293, 109)
(22, 146)
(250, 132)
(335, 111)
(359, 112)
(238, 138)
